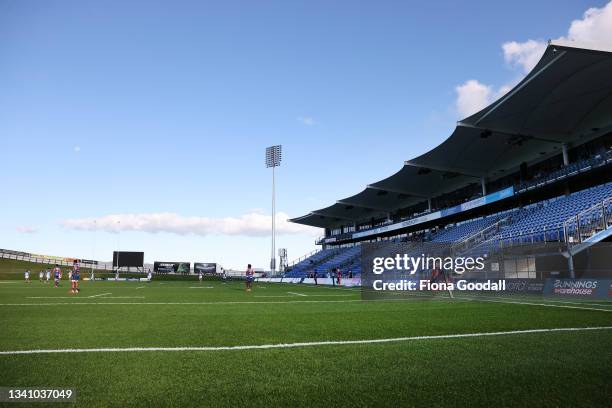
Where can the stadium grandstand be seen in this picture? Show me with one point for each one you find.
(533, 167)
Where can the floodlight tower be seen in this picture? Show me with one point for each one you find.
(273, 159)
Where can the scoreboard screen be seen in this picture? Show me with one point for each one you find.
(125, 258)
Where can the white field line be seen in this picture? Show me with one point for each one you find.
(201, 287)
(45, 287)
(328, 295)
(289, 302)
(188, 303)
(296, 294)
(140, 287)
(350, 288)
(544, 300)
(123, 297)
(274, 296)
(51, 297)
(101, 294)
(292, 296)
(105, 296)
(516, 302)
(307, 344)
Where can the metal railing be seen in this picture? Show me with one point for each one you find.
(50, 260)
(589, 222)
(301, 258)
(481, 236)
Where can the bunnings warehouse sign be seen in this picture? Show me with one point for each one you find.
(599, 288)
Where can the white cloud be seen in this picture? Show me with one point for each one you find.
(26, 229)
(307, 120)
(251, 224)
(594, 27)
(525, 54)
(473, 95)
(77, 149)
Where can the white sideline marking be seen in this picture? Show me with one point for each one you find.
(101, 294)
(547, 300)
(282, 302)
(326, 295)
(124, 297)
(516, 302)
(190, 303)
(51, 297)
(292, 296)
(296, 294)
(274, 296)
(140, 287)
(350, 288)
(306, 344)
(201, 287)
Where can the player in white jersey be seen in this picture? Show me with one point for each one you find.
(40, 276)
(26, 275)
(48, 275)
(200, 276)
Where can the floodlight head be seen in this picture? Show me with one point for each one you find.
(273, 156)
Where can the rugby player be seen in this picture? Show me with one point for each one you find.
(249, 278)
(75, 275)
(57, 274)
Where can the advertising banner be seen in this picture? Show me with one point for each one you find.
(599, 288)
(205, 268)
(171, 267)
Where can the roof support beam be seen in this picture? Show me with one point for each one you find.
(461, 172)
(399, 191)
(356, 204)
(334, 216)
(548, 138)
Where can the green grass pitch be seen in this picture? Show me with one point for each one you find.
(535, 369)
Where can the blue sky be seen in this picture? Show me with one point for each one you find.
(136, 109)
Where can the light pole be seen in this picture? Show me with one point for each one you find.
(273, 159)
(118, 245)
(93, 249)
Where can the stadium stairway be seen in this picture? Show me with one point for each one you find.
(546, 221)
(551, 221)
(306, 266)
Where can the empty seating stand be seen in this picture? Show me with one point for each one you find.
(536, 223)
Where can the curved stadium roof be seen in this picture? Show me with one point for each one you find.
(566, 98)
